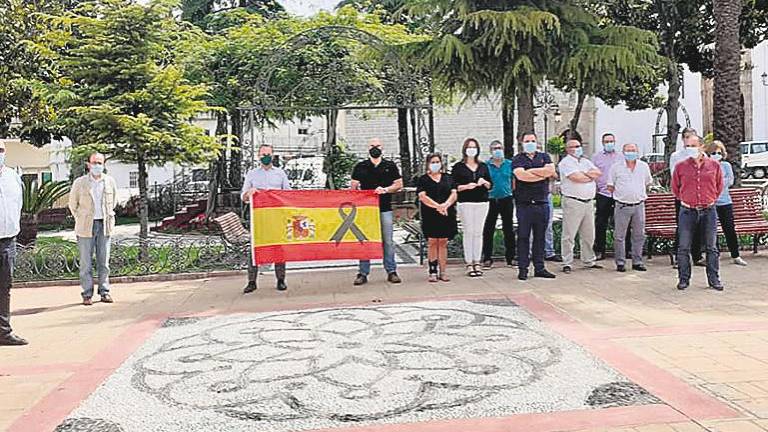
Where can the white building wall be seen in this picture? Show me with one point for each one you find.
(760, 92)
(639, 126)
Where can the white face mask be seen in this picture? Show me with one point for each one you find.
(692, 152)
(471, 152)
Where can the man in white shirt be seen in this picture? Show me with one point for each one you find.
(266, 176)
(10, 225)
(578, 190)
(92, 202)
(628, 181)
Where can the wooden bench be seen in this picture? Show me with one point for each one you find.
(232, 230)
(747, 216)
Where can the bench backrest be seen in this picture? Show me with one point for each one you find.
(660, 209)
(747, 204)
(231, 228)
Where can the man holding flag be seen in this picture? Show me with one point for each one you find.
(264, 177)
(382, 176)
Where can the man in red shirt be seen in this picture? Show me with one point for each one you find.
(697, 182)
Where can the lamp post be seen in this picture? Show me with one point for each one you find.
(545, 102)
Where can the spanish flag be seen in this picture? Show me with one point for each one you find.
(314, 225)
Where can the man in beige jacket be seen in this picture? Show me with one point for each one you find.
(92, 203)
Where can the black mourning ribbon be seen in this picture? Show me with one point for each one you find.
(348, 224)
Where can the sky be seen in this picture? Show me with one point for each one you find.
(307, 7)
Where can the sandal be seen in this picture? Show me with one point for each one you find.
(478, 272)
(444, 278)
(433, 277)
(470, 270)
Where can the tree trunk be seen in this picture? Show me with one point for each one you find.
(143, 209)
(236, 155)
(508, 121)
(573, 125)
(405, 147)
(728, 112)
(525, 109)
(431, 120)
(671, 107)
(216, 168)
(330, 145)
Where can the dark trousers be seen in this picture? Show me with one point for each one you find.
(706, 222)
(253, 271)
(532, 220)
(506, 208)
(7, 256)
(603, 214)
(725, 216)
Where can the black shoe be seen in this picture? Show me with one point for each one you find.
(639, 267)
(555, 258)
(394, 278)
(699, 263)
(544, 274)
(512, 263)
(567, 269)
(522, 275)
(251, 287)
(594, 266)
(12, 340)
(281, 286)
(682, 285)
(717, 287)
(620, 268)
(599, 256)
(361, 279)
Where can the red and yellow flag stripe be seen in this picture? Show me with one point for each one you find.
(315, 225)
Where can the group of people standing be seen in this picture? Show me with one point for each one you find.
(610, 189)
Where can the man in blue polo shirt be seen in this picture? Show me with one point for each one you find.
(501, 203)
(532, 170)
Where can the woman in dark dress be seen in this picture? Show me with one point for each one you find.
(437, 194)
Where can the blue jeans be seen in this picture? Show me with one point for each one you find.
(100, 242)
(706, 222)
(549, 236)
(390, 265)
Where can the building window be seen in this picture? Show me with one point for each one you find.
(46, 177)
(133, 180)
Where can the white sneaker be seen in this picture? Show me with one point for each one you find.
(739, 261)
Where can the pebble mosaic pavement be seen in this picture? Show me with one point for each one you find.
(344, 367)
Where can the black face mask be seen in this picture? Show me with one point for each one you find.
(375, 152)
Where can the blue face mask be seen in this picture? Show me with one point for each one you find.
(578, 152)
(498, 154)
(2, 159)
(692, 152)
(435, 167)
(609, 147)
(529, 146)
(630, 156)
(717, 157)
(97, 169)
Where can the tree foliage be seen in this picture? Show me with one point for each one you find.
(121, 89)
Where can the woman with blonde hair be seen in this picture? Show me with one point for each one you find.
(437, 194)
(473, 180)
(724, 204)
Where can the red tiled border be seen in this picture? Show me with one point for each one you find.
(683, 400)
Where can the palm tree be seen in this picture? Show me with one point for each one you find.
(37, 198)
(728, 113)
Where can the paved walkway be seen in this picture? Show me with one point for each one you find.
(700, 354)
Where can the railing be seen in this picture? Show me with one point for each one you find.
(164, 255)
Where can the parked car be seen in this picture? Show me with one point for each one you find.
(754, 159)
(656, 162)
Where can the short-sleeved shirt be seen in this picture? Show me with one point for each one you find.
(501, 177)
(11, 199)
(463, 175)
(569, 188)
(629, 186)
(260, 178)
(531, 192)
(728, 179)
(604, 161)
(372, 176)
